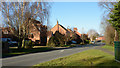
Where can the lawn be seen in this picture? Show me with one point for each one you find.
(15, 51)
(108, 47)
(91, 57)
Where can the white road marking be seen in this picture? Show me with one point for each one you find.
(61, 50)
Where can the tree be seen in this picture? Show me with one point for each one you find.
(67, 37)
(110, 13)
(56, 40)
(107, 7)
(60, 38)
(115, 20)
(82, 35)
(92, 34)
(53, 42)
(109, 34)
(17, 15)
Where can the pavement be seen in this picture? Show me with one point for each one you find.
(36, 58)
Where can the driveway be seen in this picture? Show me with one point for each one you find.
(36, 58)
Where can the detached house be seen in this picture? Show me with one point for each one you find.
(76, 31)
(6, 33)
(59, 28)
(35, 31)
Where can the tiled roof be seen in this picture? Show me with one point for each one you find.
(63, 27)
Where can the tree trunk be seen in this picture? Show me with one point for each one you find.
(23, 43)
(19, 43)
(65, 43)
(116, 38)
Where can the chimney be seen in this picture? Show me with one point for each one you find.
(75, 29)
(57, 26)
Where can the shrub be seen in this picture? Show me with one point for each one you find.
(103, 41)
(53, 41)
(29, 44)
(60, 38)
(56, 40)
(87, 41)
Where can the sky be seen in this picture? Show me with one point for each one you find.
(83, 15)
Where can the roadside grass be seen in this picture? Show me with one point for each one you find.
(73, 45)
(91, 57)
(108, 47)
(15, 51)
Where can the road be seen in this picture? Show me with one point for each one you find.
(36, 58)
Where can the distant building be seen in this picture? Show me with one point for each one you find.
(100, 38)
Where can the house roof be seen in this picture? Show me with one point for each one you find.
(78, 33)
(63, 27)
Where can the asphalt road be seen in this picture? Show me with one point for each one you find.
(36, 58)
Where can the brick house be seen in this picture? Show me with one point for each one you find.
(76, 31)
(6, 33)
(60, 29)
(63, 31)
(37, 32)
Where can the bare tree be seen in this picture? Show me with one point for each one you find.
(67, 37)
(82, 35)
(92, 34)
(17, 15)
(108, 8)
(109, 34)
(70, 35)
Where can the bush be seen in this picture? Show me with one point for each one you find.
(60, 38)
(56, 40)
(103, 41)
(29, 44)
(82, 43)
(86, 41)
(53, 42)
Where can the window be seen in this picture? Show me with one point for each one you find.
(5, 32)
(39, 29)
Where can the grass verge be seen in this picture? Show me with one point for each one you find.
(91, 57)
(108, 47)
